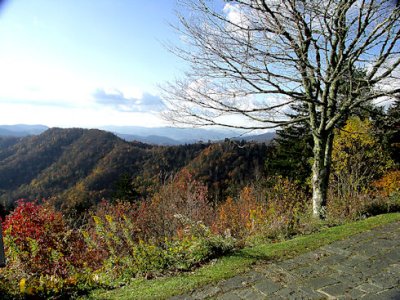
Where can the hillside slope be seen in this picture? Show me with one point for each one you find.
(79, 167)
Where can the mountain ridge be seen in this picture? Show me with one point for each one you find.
(79, 167)
(150, 135)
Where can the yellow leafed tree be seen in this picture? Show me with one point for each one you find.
(357, 158)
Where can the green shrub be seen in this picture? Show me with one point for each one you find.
(126, 257)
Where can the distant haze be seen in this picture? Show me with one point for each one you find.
(157, 135)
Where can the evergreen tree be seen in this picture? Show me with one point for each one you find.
(292, 149)
(389, 127)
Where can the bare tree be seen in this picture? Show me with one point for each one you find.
(254, 58)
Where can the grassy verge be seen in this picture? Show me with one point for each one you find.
(240, 261)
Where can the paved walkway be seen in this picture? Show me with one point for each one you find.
(365, 266)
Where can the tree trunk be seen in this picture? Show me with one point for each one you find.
(320, 173)
(2, 255)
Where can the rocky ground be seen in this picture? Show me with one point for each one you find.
(365, 266)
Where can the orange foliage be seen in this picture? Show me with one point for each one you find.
(389, 183)
(240, 217)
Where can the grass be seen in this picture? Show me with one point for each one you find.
(240, 261)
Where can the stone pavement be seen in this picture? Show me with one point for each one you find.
(365, 266)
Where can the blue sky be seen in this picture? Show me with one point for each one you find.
(85, 63)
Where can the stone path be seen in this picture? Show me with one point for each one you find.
(365, 266)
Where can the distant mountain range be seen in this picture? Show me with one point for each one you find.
(154, 136)
(79, 167)
(21, 130)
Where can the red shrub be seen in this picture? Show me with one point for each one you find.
(42, 242)
(31, 220)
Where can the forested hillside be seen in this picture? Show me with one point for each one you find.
(172, 208)
(227, 167)
(78, 167)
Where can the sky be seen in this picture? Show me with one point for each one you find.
(87, 63)
(74, 63)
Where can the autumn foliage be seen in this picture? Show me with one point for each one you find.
(44, 255)
(175, 230)
(389, 183)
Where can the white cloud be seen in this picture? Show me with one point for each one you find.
(126, 102)
(74, 117)
(37, 93)
(239, 18)
(242, 16)
(234, 13)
